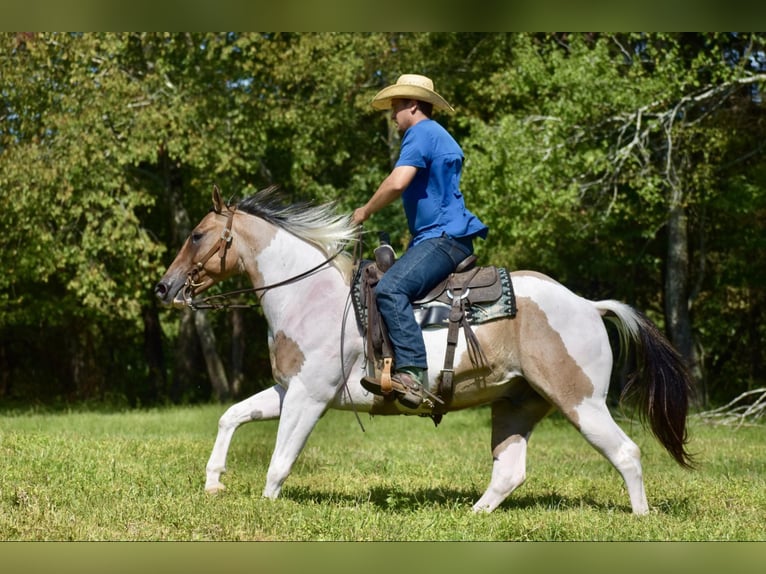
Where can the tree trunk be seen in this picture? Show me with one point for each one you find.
(237, 350)
(5, 370)
(188, 375)
(677, 315)
(87, 374)
(215, 368)
(153, 353)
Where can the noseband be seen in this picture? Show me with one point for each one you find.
(224, 242)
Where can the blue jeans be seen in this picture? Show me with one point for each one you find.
(410, 278)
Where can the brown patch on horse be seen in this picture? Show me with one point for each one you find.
(261, 240)
(287, 358)
(544, 361)
(498, 340)
(547, 364)
(259, 237)
(498, 447)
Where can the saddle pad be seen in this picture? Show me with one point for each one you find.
(435, 312)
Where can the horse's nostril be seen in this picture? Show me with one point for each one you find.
(160, 289)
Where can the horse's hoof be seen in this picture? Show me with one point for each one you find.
(215, 488)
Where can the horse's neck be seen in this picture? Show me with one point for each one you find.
(288, 257)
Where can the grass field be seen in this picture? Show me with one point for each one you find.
(138, 476)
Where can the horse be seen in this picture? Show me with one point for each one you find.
(554, 354)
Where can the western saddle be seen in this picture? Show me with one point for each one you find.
(460, 300)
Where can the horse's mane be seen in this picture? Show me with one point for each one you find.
(319, 224)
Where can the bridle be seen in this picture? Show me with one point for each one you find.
(221, 247)
(219, 301)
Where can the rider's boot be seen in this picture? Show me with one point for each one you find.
(407, 385)
(411, 379)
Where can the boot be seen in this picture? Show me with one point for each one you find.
(407, 384)
(411, 378)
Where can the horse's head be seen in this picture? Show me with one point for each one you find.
(204, 258)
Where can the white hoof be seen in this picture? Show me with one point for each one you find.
(215, 488)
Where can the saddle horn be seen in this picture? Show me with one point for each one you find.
(384, 253)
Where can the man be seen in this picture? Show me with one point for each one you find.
(427, 178)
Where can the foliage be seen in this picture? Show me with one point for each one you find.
(580, 151)
(71, 225)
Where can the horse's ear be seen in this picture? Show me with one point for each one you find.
(218, 204)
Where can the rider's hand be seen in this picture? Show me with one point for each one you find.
(360, 216)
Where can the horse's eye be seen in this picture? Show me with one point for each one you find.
(196, 236)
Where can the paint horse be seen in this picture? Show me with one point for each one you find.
(554, 354)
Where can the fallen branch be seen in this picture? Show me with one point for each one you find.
(741, 410)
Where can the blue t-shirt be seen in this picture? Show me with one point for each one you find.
(433, 202)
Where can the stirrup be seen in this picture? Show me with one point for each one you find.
(409, 397)
(372, 385)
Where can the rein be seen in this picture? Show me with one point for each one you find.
(212, 301)
(219, 301)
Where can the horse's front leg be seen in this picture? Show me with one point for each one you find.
(300, 412)
(264, 405)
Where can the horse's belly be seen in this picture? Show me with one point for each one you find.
(479, 377)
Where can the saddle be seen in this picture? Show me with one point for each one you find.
(469, 296)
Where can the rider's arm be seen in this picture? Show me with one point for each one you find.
(389, 190)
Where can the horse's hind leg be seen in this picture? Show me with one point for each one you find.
(600, 430)
(262, 406)
(513, 419)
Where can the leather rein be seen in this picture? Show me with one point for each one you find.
(222, 247)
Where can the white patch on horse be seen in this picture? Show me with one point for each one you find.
(258, 242)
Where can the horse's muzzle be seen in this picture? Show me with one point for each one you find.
(161, 290)
(169, 297)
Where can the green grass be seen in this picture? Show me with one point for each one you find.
(139, 476)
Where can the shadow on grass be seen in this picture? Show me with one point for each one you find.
(397, 500)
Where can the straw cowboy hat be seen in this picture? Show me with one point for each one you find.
(410, 86)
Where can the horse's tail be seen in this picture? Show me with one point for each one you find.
(661, 382)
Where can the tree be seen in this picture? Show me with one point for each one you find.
(625, 165)
(628, 136)
(128, 132)
(73, 242)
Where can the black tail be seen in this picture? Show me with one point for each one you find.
(661, 384)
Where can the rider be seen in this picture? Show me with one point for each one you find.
(427, 178)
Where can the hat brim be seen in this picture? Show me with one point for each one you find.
(382, 100)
